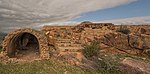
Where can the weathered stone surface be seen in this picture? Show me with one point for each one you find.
(144, 30)
(147, 52)
(127, 42)
(132, 66)
(140, 41)
(116, 39)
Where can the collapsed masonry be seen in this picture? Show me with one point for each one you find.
(72, 38)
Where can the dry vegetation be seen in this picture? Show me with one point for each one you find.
(42, 67)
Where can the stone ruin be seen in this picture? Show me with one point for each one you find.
(23, 39)
(62, 38)
(72, 39)
(66, 42)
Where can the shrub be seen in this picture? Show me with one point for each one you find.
(123, 29)
(91, 50)
(108, 66)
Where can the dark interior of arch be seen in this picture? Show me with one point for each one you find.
(22, 45)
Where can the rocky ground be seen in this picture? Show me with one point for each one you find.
(109, 61)
(119, 52)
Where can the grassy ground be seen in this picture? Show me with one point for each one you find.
(42, 67)
(109, 62)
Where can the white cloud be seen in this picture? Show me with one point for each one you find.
(131, 20)
(23, 12)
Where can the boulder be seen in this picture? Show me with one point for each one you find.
(116, 39)
(141, 42)
(132, 66)
(147, 52)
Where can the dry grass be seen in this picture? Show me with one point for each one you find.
(42, 67)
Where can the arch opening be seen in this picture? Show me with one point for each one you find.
(24, 46)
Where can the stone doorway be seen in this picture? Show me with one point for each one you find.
(24, 46)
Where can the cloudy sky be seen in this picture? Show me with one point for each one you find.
(16, 14)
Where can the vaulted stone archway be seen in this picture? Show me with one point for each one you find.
(23, 40)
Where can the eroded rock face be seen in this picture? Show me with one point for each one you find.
(132, 66)
(116, 39)
(141, 42)
(127, 42)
